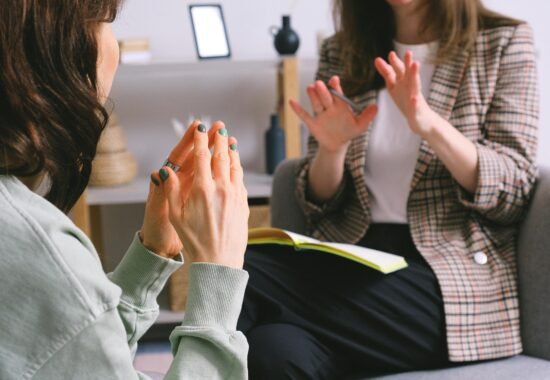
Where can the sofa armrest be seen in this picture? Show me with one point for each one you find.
(286, 212)
(534, 271)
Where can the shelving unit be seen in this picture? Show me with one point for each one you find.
(288, 87)
(87, 211)
(257, 184)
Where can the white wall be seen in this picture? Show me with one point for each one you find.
(146, 103)
(166, 23)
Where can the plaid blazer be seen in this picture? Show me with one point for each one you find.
(490, 95)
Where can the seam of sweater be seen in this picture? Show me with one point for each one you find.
(44, 241)
(137, 308)
(32, 370)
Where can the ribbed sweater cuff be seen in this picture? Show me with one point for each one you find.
(142, 274)
(216, 294)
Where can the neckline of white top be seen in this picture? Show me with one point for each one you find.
(421, 52)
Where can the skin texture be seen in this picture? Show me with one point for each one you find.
(108, 57)
(334, 125)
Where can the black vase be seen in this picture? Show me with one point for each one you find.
(286, 39)
(275, 149)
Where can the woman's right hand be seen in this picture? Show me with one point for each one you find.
(212, 218)
(334, 124)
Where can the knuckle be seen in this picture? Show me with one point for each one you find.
(222, 157)
(202, 153)
(200, 190)
(224, 191)
(236, 169)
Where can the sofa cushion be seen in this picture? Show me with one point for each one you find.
(518, 367)
(534, 266)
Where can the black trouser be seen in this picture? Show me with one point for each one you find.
(312, 315)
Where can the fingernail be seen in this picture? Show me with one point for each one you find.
(223, 132)
(163, 174)
(233, 147)
(154, 180)
(201, 128)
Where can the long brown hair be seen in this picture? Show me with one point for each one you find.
(50, 114)
(366, 28)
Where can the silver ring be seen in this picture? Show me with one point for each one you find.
(320, 112)
(172, 166)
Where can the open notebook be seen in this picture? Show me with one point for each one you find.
(381, 261)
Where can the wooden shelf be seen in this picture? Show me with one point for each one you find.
(257, 184)
(222, 68)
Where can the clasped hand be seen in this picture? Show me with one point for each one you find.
(203, 207)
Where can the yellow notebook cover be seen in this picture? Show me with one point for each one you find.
(381, 261)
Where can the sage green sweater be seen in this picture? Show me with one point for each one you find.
(61, 317)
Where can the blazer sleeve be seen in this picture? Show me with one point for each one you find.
(507, 154)
(312, 210)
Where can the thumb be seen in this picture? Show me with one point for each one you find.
(156, 195)
(366, 117)
(170, 185)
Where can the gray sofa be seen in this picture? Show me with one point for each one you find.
(534, 285)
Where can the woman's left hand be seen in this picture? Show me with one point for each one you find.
(157, 233)
(404, 85)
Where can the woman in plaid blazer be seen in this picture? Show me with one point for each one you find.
(471, 179)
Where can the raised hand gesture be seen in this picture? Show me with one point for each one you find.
(404, 85)
(334, 124)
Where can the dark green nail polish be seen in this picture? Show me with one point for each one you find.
(163, 174)
(154, 180)
(233, 147)
(223, 132)
(202, 128)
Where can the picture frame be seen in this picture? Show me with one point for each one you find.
(209, 31)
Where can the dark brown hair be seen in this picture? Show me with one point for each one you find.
(366, 28)
(50, 113)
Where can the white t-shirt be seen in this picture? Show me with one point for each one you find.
(393, 148)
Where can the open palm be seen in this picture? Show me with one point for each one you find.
(404, 85)
(334, 124)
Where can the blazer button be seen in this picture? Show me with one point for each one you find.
(480, 258)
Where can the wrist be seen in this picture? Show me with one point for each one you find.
(153, 248)
(434, 129)
(334, 155)
(428, 124)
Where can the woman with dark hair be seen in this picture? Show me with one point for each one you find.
(61, 316)
(439, 171)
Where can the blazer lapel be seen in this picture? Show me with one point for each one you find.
(444, 88)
